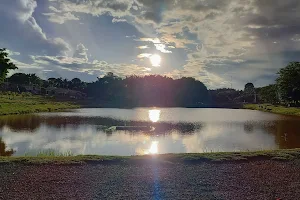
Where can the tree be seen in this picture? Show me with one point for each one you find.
(5, 65)
(249, 88)
(288, 82)
(34, 79)
(55, 82)
(268, 94)
(249, 93)
(28, 79)
(66, 83)
(76, 84)
(19, 78)
(150, 90)
(52, 82)
(225, 96)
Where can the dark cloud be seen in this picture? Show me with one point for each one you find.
(152, 16)
(154, 9)
(114, 5)
(272, 19)
(203, 6)
(63, 61)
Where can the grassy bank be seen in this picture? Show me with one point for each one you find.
(13, 103)
(52, 158)
(274, 109)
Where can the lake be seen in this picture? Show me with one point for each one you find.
(173, 130)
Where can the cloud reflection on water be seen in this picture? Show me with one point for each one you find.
(82, 135)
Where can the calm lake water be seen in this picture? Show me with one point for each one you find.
(177, 130)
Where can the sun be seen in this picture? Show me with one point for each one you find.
(155, 60)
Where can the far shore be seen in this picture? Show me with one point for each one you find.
(277, 109)
(15, 104)
(25, 103)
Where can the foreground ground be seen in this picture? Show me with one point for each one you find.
(265, 179)
(14, 103)
(238, 175)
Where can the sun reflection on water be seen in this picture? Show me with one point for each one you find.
(153, 148)
(154, 115)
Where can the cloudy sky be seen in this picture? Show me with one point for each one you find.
(216, 41)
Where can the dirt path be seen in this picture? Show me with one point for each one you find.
(253, 180)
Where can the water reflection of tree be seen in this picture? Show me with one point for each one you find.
(21, 122)
(104, 122)
(248, 127)
(3, 151)
(287, 134)
(33, 122)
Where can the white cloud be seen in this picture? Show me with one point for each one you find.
(130, 36)
(162, 48)
(22, 32)
(157, 43)
(81, 52)
(13, 53)
(143, 47)
(296, 38)
(79, 63)
(61, 18)
(116, 8)
(153, 40)
(116, 20)
(144, 55)
(135, 7)
(219, 38)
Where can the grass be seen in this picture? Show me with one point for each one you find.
(50, 157)
(49, 153)
(14, 103)
(274, 109)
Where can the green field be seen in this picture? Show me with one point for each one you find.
(67, 158)
(14, 103)
(274, 109)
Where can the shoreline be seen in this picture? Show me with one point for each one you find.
(276, 109)
(276, 155)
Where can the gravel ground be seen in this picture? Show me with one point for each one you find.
(249, 180)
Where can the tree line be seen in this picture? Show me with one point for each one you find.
(285, 90)
(151, 90)
(33, 79)
(156, 90)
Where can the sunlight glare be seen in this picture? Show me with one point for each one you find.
(153, 148)
(154, 115)
(155, 60)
